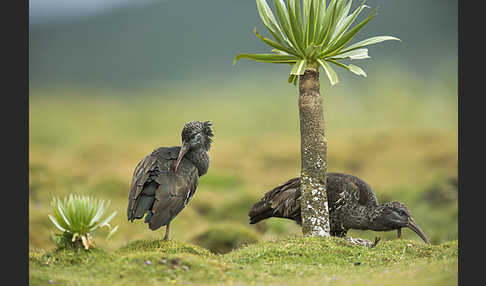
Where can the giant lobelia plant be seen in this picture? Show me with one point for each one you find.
(309, 35)
(78, 217)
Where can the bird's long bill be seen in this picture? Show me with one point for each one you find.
(413, 226)
(182, 152)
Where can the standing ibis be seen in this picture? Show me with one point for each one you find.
(165, 181)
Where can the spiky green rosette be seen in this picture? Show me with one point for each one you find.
(79, 216)
(313, 36)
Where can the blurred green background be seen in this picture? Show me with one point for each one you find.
(110, 84)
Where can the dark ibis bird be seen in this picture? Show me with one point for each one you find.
(352, 205)
(164, 181)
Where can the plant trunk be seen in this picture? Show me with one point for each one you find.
(314, 206)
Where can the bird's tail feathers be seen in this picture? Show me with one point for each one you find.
(260, 211)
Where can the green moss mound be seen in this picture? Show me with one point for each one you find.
(68, 257)
(223, 238)
(163, 246)
(337, 251)
(290, 261)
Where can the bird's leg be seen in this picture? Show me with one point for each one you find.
(166, 236)
(399, 232)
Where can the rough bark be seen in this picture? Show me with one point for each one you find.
(314, 204)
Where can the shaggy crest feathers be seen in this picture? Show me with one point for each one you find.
(191, 128)
(208, 131)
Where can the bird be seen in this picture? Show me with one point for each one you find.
(164, 181)
(352, 205)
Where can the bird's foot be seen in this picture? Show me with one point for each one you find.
(363, 242)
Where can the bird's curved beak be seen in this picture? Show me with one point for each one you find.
(182, 152)
(413, 226)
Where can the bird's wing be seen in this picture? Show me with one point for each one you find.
(287, 202)
(348, 189)
(282, 201)
(146, 168)
(174, 192)
(367, 196)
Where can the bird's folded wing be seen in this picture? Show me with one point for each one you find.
(366, 195)
(173, 194)
(281, 201)
(142, 172)
(286, 202)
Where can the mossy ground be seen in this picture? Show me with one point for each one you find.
(306, 261)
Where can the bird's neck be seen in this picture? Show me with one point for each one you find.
(199, 157)
(374, 219)
(357, 217)
(362, 217)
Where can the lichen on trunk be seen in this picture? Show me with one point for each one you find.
(314, 206)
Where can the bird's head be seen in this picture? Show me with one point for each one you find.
(395, 215)
(195, 135)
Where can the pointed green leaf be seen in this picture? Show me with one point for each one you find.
(99, 214)
(338, 16)
(320, 20)
(353, 55)
(270, 22)
(274, 44)
(56, 223)
(341, 42)
(112, 231)
(331, 74)
(267, 58)
(346, 23)
(357, 70)
(104, 222)
(305, 13)
(315, 29)
(283, 19)
(354, 69)
(298, 68)
(62, 214)
(277, 51)
(346, 9)
(296, 22)
(309, 31)
(370, 41)
(293, 79)
(55, 209)
(325, 28)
